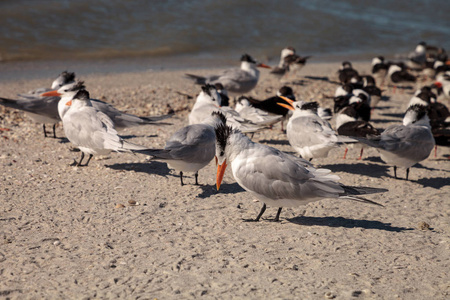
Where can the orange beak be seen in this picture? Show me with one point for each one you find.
(288, 106)
(220, 172)
(69, 103)
(261, 65)
(51, 94)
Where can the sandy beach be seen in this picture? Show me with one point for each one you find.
(73, 232)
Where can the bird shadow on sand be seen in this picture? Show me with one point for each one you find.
(370, 170)
(434, 182)
(152, 167)
(346, 223)
(62, 140)
(320, 78)
(225, 188)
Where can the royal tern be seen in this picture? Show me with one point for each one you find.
(407, 144)
(41, 109)
(121, 120)
(91, 130)
(237, 81)
(224, 99)
(191, 148)
(276, 178)
(310, 135)
(208, 101)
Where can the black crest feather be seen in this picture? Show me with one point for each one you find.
(419, 109)
(78, 86)
(248, 58)
(207, 88)
(310, 106)
(221, 116)
(223, 132)
(82, 95)
(68, 77)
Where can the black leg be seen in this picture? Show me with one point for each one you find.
(89, 159)
(181, 177)
(45, 132)
(277, 217)
(407, 173)
(196, 178)
(263, 209)
(395, 172)
(310, 159)
(75, 163)
(54, 131)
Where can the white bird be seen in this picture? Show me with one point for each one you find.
(41, 109)
(208, 101)
(191, 148)
(310, 135)
(121, 120)
(407, 144)
(276, 178)
(237, 81)
(91, 130)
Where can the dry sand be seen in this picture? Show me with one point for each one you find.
(63, 236)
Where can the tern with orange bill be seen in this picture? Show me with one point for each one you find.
(310, 135)
(276, 178)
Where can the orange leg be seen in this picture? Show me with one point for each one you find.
(360, 155)
(345, 153)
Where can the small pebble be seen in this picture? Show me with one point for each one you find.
(423, 226)
(329, 295)
(132, 202)
(120, 205)
(56, 243)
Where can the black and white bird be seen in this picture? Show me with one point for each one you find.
(346, 72)
(237, 81)
(379, 69)
(407, 144)
(348, 124)
(398, 75)
(283, 67)
(276, 178)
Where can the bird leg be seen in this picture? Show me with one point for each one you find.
(181, 177)
(435, 151)
(345, 153)
(263, 209)
(54, 131)
(360, 155)
(75, 163)
(86, 164)
(45, 132)
(196, 178)
(395, 172)
(407, 173)
(277, 217)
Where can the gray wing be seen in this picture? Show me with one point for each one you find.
(307, 131)
(46, 106)
(277, 175)
(121, 119)
(193, 143)
(34, 94)
(234, 80)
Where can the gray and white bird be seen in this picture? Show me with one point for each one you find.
(121, 119)
(92, 131)
(190, 148)
(283, 66)
(310, 135)
(276, 178)
(236, 81)
(39, 108)
(407, 144)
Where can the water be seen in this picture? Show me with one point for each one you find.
(65, 29)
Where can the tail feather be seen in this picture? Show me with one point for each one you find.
(155, 153)
(9, 103)
(370, 142)
(197, 79)
(361, 190)
(362, 200)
